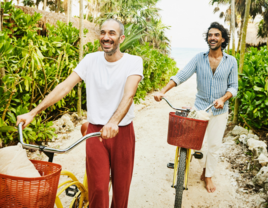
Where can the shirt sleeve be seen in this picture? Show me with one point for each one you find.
(81, 68)
(232, 82)
(186, 72)
(137, 68)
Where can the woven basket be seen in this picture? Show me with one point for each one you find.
(186, 132)
(40, 192)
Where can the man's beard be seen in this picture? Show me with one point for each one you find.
(216, 48)
(110, 53)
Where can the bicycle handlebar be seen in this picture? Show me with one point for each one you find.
(186, 110)
(180, 109)
(52, 150)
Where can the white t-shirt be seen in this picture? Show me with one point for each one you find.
(105, 82)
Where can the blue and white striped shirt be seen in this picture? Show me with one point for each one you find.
(210, 87)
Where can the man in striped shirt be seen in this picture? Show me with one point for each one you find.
(217, 82)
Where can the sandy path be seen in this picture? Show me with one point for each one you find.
(151, 184)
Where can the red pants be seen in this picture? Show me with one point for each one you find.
(116, 154)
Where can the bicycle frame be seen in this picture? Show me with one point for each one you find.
(187, 168)
(83, 190)
(183, 155)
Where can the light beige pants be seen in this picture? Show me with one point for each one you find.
(212, 142)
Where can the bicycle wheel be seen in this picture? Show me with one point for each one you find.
(180, 178)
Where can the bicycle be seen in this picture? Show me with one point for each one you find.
(186, 141)
(72, 187)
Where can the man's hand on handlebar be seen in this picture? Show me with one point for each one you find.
(219, 103)
(158, 96)
(109, 131)
(25, 118)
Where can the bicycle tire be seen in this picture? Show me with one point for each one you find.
(180, 178)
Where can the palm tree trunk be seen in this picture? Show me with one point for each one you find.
(45, 5)
(233, 26)
(1, 15)
(88, 6)
(2, 70)
(68, 12)
(228, 48)
(58, 6)
(2, 74)
(94, 12)
(71, 7)
(242, 56)
(240, 36)
(79, 102)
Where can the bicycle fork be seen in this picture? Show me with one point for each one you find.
(197, 155)
(175, 166)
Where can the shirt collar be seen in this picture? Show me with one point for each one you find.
(224, 54)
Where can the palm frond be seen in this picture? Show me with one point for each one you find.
(132, 35)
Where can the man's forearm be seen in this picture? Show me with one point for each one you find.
(169, 86)
(122, 109)
(227, 96)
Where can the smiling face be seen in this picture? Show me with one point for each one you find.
(215, 39)
(110, 37)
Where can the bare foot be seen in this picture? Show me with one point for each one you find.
(210, 185)
(202, 178)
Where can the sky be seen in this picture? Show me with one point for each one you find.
(188, 19)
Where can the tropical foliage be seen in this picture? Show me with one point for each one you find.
(257, 7)
(142, 13)
(35, 64)
(54, 5)
(253, 89)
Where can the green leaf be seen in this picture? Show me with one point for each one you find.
(26, 84)
(257, 88)
(266, 86)
(8, 129)
(12, 117)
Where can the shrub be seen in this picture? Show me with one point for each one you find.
(253, 89)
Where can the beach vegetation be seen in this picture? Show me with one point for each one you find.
(34, 64)
(253, 90)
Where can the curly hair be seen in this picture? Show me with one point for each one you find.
(224, 32)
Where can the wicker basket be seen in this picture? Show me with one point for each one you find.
(40, 192)
(186, 132)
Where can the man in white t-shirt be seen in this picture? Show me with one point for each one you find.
(111, 78)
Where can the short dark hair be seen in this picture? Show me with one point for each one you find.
(224, 32)
(121, 26)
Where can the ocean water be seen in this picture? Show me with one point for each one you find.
(183, 55)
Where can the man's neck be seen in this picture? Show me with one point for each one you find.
(215, 53)
(115, 57)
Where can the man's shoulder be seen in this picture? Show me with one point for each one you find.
(201, 54)
(230, 57)
(133, 57)
(94, 54)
